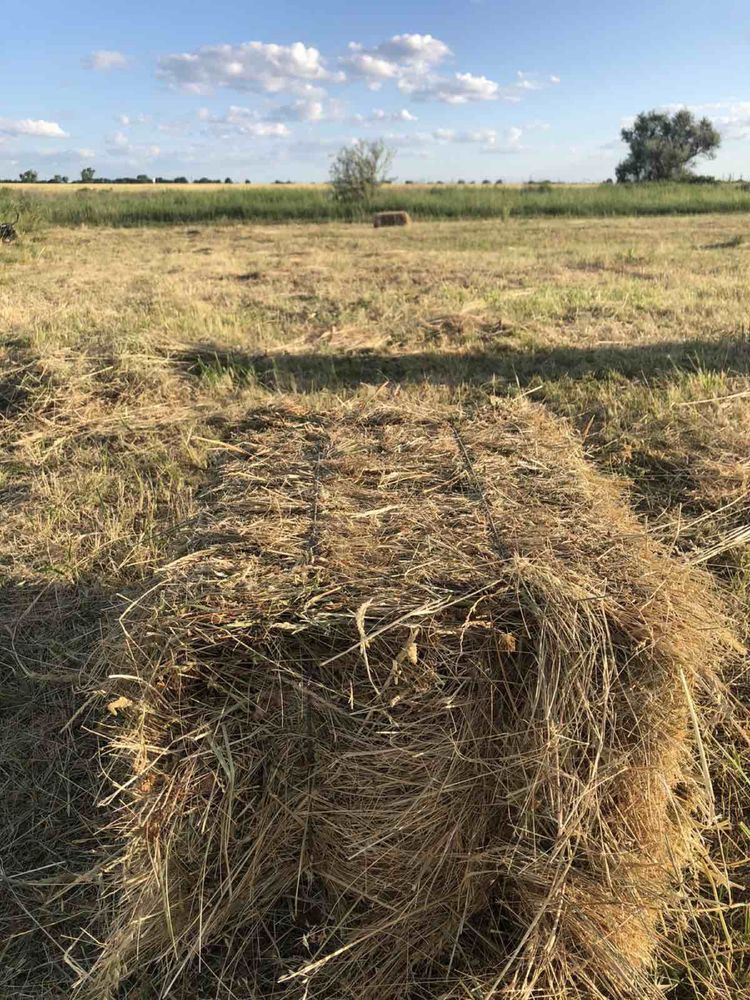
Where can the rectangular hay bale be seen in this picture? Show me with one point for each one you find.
(391, 219)
(415, 700)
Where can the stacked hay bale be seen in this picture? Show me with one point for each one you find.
(414, 718)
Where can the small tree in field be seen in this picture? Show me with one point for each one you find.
(29, 177)
(663, 147)
(359, 170)
(87, 175)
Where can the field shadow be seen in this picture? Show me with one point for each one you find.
(730, 244)
(50, 783)
(313, 370)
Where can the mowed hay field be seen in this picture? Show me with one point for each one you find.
(135, 361)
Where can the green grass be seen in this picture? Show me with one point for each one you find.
(105, 206)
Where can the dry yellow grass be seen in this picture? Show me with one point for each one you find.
(126, 355)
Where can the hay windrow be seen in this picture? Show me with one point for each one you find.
(413, 718)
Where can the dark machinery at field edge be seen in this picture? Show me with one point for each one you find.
(8, 232)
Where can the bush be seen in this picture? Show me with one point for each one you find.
(359, 170)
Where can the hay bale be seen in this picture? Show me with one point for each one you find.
(391, 219)
(412, 719)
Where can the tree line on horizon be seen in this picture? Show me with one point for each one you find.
(663, 147)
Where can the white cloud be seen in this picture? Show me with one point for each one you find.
(461, 88)
(307, 109)
(120, 145)
(128, 120)
(377, 116)
(532, 81)
(302, 111)
(507, 142)
(490, 139)
(536, 125)
(106, 59)
(254, 66)
(526, 81)
(31, 126)
(474, 135)
(242, 121)
(392, 59)
(67, 156)
(370, 68)
(414, 50)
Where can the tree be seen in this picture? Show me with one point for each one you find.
(87, 175)
(29, 177)
(663, 146)
(359, 170)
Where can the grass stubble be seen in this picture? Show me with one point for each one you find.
(130, 360)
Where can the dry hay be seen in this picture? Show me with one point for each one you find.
(471, 322)
(391, 219)
(414, 718)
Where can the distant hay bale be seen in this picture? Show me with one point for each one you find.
(391, 219)
(413, 718)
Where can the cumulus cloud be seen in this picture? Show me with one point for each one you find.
(128, 120)
(372, 69)
(466, 88)
(414, 50)
(105, 59)
(254, 66)
(304, 110)
(536, 125)
(243, 121)
(394, 58)
(490, 139)
(506, 142)
(67, 156)
(527, 81)
(307, 109)
(532, 81)
(471, 135)
(31, 126)
(461, 88)
(377, 116)
(119, 144)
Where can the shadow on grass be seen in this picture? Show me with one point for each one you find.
(314, 370)
(50, 844)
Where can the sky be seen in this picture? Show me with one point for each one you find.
(471, 89)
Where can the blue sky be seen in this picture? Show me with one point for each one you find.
(473, 89)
